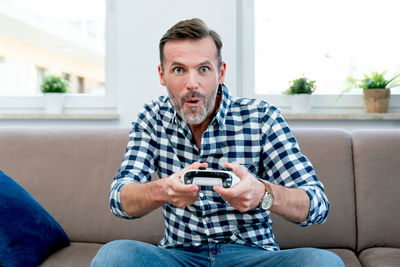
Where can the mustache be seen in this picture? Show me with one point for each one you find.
(193, 94)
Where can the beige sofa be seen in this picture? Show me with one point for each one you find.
(69, 171)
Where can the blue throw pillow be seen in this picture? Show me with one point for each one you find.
(28, 233)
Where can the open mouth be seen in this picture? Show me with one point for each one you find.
(193, 101)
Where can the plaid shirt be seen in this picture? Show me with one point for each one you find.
(247, 131)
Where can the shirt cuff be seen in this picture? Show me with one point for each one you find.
(115, 202)
(318, 207)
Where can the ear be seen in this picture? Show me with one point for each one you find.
(222, 72)
(161, 74)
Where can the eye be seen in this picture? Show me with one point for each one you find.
(178, 70)
(204, 69)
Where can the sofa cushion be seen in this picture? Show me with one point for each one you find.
(388, 257)
(330, 152)
(28, 233)
(348, 257)
(376, 168)
(77, 254)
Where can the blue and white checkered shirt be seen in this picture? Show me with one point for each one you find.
(247, 131)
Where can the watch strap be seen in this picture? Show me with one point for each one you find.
(266, 192)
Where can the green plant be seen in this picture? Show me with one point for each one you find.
(54, 84)
(301, 86)
(375, 80)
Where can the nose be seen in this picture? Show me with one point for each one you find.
(192, 81)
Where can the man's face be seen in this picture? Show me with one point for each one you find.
(192, 76)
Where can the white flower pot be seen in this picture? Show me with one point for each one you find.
(301, 103)
(53, 103)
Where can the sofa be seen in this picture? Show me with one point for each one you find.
(69, 172)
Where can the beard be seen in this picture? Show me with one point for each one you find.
(194, 115)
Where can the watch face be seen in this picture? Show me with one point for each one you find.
(267, 201)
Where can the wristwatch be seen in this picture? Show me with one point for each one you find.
(267, 200)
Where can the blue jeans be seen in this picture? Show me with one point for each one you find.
(135, 253)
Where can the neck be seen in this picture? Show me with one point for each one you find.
(198, 129)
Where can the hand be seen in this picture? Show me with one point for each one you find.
(179, 194)
(245, 195)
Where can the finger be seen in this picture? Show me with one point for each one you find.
(194, 166)
(225, 192)
(185, 188)
(237, 169)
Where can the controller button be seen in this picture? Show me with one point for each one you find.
(225, 175)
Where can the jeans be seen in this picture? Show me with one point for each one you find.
(135, 253)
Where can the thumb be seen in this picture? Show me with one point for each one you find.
(220, 190)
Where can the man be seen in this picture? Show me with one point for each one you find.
(200, 125)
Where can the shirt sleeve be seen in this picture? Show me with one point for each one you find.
(137, 164)
(287, 166)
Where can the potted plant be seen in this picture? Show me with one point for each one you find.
(54, 87)
(376, 90)
(301, 90)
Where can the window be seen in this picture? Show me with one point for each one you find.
(41, 73)
(45, 36)
(9, 73)
(81, 84)
(40, 37)
(66, 76)
(325, 40)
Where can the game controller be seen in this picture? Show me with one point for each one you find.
(206, 177)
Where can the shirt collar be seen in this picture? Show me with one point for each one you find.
(222, 111)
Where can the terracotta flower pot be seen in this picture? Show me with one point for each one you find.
(376, 100)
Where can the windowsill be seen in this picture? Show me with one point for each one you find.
(43, 116)
(341, 116)
(287, 116)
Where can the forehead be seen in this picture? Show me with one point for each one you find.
(188, 51)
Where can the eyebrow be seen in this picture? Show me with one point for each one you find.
(177, 63)
(204, 63)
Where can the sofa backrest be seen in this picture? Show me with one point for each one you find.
(330, 151)
(377, 176)
(69, 171)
